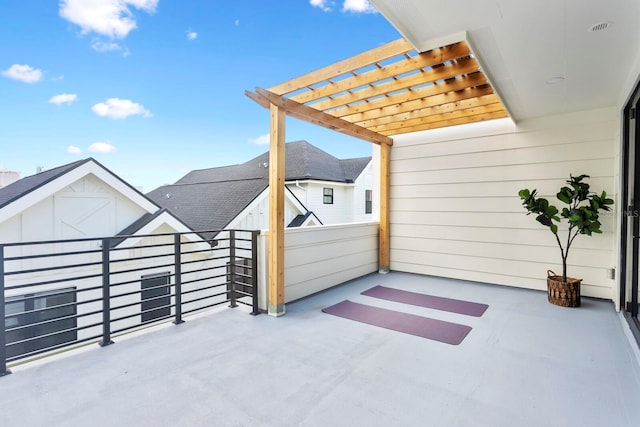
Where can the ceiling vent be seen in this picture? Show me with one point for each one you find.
(600, 26)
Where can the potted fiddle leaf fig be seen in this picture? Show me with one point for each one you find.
(581, 215)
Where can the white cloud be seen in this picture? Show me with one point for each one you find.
(63, 98)
(23, 73)
(116, 108)
(237, 22)
(111, 18)
(72, 149)
(358, 6)
(100, 46)
(321, 4)
(261, 140)
(101, 147)
(192, 35)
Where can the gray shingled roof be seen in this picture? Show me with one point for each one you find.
(208, 199)
(306, 161)
(28, 184)
(208, 205)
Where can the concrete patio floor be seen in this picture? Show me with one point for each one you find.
(525, 363)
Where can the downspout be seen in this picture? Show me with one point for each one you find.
(304, 190)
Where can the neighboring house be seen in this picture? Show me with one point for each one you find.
(78, 200)
(320, 189)
(83, 200)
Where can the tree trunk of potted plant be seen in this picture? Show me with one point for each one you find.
(582, 217)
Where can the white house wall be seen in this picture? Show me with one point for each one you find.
(256, 215)
(86, 208)
(362, 183)
(454, 206)
(340, 211)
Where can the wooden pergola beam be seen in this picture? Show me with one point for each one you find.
(303, 112)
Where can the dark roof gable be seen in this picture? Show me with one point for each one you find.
(26, 185)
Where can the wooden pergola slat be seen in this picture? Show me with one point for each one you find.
(380, 73)
(451, 122)
(410, 113)
(448, 71)
(393, 104)
(389, 50)
(431, 114)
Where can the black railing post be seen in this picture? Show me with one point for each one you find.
(232, 269)
(177, 251)
(254, 272)
(3, 332)
(106, 295)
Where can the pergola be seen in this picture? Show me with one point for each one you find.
(386, 91)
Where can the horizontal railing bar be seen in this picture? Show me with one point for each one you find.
(51, 282)
(191, 301)
(155, 320)
(120, 307)
(50, 255)
(38, 337)
(186, 282)
(53, 268)
(193, 310)
(74, 345)
(128, 236)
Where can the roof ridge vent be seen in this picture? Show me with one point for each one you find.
(600, 26)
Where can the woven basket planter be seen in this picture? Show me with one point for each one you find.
(564, 294)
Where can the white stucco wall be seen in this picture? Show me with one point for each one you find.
(455, 211)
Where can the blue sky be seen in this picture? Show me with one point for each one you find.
(155, 88)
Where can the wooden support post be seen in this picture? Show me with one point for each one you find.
(276, 212)
(383, 250)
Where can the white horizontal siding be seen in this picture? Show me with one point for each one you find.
(455, 211)
(317, 258)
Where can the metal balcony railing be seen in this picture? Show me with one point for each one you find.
(65, 293)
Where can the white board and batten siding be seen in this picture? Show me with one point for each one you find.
(455, 210)
(318, 258)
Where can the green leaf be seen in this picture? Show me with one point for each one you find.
(542, 219)
(554, 229)
(524, 193)
(563, 197)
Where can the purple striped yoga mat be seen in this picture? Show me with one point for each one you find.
(429, 301)
(438, 330)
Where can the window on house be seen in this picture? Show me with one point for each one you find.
(367, 201)
(51, 316)
(156, 296)
(327, 196)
